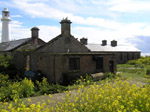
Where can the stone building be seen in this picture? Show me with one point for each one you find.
(20, 49)
(64, 56)
(124, 53)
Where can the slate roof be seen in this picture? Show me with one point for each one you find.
(109, 48)
(10, 45)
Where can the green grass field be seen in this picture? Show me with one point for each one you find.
(137, 74)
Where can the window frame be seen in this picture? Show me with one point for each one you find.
(74, 63)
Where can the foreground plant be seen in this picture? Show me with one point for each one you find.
(117, 96)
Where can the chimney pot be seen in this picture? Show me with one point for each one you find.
(65, 27)
(35, 32)
(114, 43)
(84, 41)
(104, 42)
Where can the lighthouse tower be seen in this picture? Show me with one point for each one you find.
(5, 25)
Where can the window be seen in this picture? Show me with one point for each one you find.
(138, 55)
(74, 63)
(128, 55)
(132, 56)
(6, 14)
(121, 56)
(99, 63)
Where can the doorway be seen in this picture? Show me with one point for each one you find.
(111, 66)
(99, 64)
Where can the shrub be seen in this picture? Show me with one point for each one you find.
(132, 62)
(5, 60)
(143, 61)
(59, 88)
(45, 87)
(148, 72)
(109, 75)
(7, 66)
(10, 90)
(22, 89)
(27, 87)
(84, 80)
(4, 79)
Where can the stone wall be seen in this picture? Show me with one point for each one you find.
(55, 65)
(123, 57)
(19, 59)
(63, 44)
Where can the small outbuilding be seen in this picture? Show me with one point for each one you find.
(20, 49)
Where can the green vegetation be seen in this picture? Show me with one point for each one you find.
(118, 96)
(108, 96)
(7, 67)
(11, 90)
(126, 91)
(136, 70)
(142, 61)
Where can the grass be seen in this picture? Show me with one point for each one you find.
(134, 73)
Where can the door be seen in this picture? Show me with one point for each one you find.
(111, 66)
(99, 64)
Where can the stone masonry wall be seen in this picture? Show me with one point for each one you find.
(54, 66)
(62, 44)
(123, 57)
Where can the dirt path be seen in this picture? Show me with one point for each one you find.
(53, 99)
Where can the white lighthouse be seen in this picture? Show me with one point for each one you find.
(5, 25)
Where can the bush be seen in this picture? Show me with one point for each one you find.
(11, 90)
(4, 79)
(7, 66)
(14, 90)
(132, 62)
(148, 72)
(5, 60)
(84, 80)
(45, 88)
(143, 61)
(27, 87)
(109, 75)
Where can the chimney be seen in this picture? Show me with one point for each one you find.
(104, 42)
(84, 41)
(65, 27)
(35, 32)
(113, 43)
